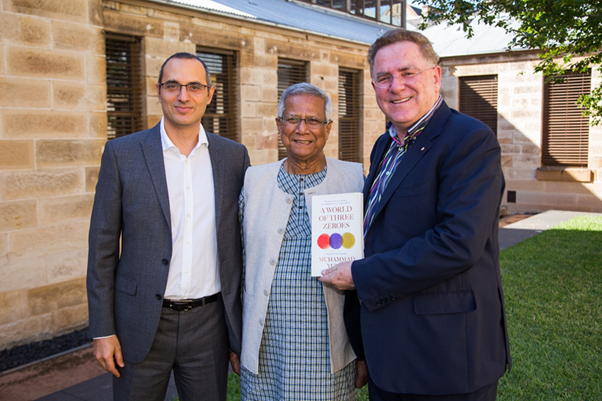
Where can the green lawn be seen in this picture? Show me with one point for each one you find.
(553, 290)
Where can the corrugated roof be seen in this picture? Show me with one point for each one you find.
(305, 17)
(448, 41)
(451, 40)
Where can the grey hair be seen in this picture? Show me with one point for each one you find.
(304, 88)
(403, 35)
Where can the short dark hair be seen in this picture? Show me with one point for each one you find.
(402, 35)
(187, 56)
(305, 88)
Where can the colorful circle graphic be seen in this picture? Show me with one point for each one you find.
(324, 241)
(336, 240)
(348, 240)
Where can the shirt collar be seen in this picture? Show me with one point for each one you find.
(166, 143)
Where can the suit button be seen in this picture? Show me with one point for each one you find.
(165, 262)
(158, 296)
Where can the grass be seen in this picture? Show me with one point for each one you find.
(233, 387)
(553, 293)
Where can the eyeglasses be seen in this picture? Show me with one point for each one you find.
(385, 81)
(311, 122)
(194, 88)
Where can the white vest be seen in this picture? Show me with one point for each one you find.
(266, 214)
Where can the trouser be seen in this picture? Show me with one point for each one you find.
(194, 344)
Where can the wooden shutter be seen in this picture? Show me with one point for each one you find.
(289, 72)
(565, 138)
(349, 116)
(221, 115)
(478, 98)
(124, 85)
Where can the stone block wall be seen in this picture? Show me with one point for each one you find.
(166, 30)
(53, 127)
(520, 125)
(52, 130)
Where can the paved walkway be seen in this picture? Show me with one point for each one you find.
(75, 376)
(99, 388)
(528, 227)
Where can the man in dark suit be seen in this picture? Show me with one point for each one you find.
(165, 258)
(429, 295)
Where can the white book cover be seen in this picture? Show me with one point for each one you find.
(336, 230)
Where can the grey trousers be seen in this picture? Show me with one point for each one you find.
(194, 344)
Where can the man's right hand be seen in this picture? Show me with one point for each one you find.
(108, 352)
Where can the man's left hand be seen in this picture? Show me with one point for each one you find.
(235, 362)
(339, 276)
(361, 375)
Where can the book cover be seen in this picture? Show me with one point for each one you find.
(336, 230)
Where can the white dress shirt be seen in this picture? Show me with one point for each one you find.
(194, 270)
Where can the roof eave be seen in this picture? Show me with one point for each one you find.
(258, 21)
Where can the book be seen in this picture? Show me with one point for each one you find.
(336, 230)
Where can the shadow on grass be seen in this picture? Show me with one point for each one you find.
(553, 293)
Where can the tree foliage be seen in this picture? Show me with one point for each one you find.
(568, 33)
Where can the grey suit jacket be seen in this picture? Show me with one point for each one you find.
(131, 211)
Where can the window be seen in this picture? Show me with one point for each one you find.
(221, 115)
(289, 72)
(390, 12)
(565, 138)
(349, 116)
(124, 85)
(478, 98)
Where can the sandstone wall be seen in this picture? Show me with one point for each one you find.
(520, 125)
(53, 129)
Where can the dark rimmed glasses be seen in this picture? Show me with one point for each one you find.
(385, 81)
(194, 88)
(311, 122)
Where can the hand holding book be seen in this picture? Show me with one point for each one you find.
(336, 230)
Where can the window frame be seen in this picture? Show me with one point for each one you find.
(478, 98)
(359, 8)
(289, 72)
(350, 116)
(222, 114)
(560, 148)
(125, 94)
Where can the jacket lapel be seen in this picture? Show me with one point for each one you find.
(379, 153)
(414, 154)
(153, 155)
(216, 153)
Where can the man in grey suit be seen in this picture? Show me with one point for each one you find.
(165, 258)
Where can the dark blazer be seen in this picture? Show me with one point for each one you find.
(432, 309)
(125, 291)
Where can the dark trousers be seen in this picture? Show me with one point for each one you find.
(487, 393)
(194, 344)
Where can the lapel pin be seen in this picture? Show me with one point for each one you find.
(422, 149)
